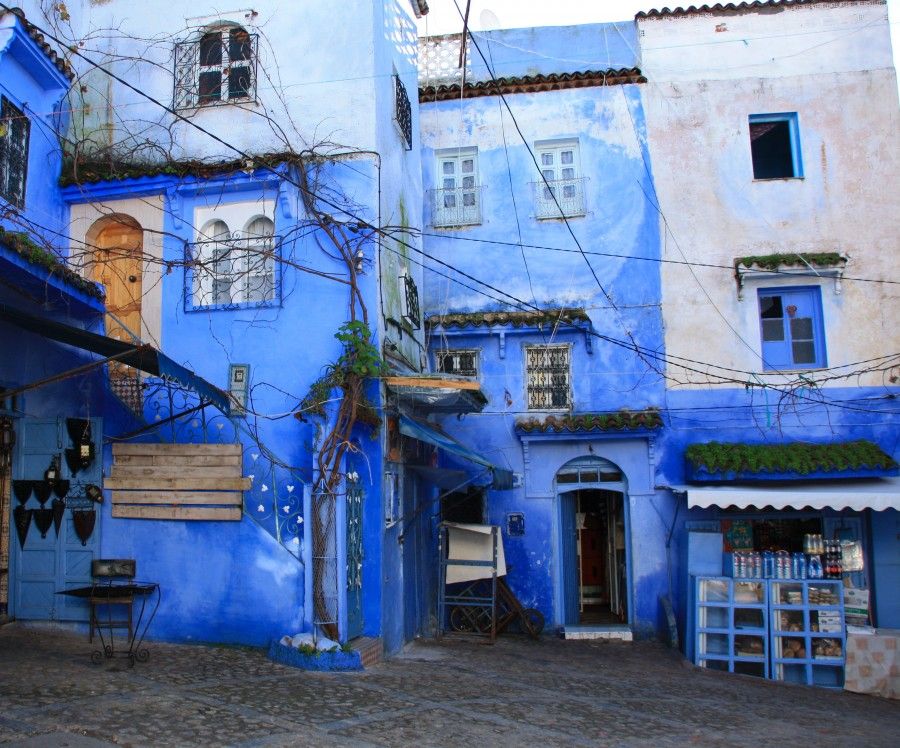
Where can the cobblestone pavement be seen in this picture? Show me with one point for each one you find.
(515, 693)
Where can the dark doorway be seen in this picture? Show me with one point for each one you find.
(600, 532)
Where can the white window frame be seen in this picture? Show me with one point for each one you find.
(530, 375)
(239, 248)
(459, 203)
(563, 179)
(189, 67)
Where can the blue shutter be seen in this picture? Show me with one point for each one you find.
(791, 328)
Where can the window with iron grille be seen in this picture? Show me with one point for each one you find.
(461, 362)
(548, 377)
(457, 198)
(561, 191)
(234, 268)
(15, 128)
(411, 312)
(402, 111)
(218, 67)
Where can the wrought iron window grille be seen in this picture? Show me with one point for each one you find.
(402, 111)
(218, 68)
(559, 198)
(15, 129)
(411, 310)
(233, 271)
(460, 206)
(548, 377)
(463, 363)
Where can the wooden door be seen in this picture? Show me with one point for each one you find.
(118, 260)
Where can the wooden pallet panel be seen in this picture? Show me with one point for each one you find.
(158, 471)
(198, 461)
(176, 449)
(226, 498)
(127, 511)
(184, 483)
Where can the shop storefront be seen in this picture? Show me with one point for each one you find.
(778, 571)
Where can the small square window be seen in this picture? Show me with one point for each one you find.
(775, 146)
(791, 328)
(461, 362)
(548, 377)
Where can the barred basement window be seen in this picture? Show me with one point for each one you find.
(402, 111)
(461, 362)
(15, 128)
(547, 375)
(218, 67)
(233, 268)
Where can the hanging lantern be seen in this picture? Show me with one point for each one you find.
(81, 455)
(51, 474)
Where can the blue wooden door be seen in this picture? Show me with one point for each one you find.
(569, 558)
(42, 566)
(354, 561)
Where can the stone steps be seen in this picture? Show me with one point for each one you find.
(371, 649)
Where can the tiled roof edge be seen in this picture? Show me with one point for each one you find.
(532, 84)
(516, 319)
(622, 420)
(733, 7)
(61, 63)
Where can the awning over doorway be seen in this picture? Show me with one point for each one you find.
(431, 433)
(878, 494)
(441, 393)
(144, 357)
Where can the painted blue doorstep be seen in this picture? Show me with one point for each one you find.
(323, 661)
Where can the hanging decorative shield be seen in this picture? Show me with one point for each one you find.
(22, 518)
(22, 489)
(59, 508)
(61, 488)
(42, 491)
(80, 457)
(43, 520)
(84, 519)
(79, 430)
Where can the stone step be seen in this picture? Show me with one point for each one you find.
(615, 632)
(371, 649)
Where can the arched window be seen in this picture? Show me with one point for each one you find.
(218, 66)
(260, 259)
(234, 267)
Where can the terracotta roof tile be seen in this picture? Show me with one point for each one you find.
(729, 7)
(61, 63)
(532, 84)
(623, 420)
(510, 319)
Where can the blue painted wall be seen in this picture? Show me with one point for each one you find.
(550, 270)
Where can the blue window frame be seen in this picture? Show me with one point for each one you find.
(775, 146)
(791, 328)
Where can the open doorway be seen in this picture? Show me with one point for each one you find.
(600, 551)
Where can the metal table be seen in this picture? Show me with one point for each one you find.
(113, 591)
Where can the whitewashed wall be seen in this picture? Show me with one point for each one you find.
(829, 63)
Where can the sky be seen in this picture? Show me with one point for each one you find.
(443, 16)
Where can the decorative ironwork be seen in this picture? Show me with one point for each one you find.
(234, 270)
(15, 129)
(459, 206)
(547, 372)
(558, 198)
(324, 562)
(461, 362)
(217, 68)
(354, 538)
(411, 311)
(403, 112)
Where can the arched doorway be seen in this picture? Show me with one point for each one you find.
(117, 263)
(593, 530)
